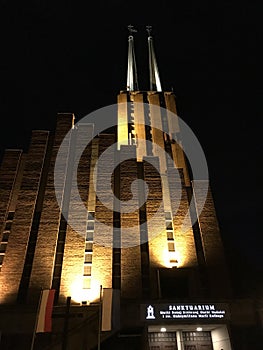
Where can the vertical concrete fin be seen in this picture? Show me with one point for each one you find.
(16, 250)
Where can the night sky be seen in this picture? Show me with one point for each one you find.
(71, 56)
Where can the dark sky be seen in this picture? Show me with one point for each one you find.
(70, 56)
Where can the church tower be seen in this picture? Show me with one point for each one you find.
(121, 225)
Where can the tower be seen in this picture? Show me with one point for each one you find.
(74, 219)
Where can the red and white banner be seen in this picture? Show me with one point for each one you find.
(44, 321)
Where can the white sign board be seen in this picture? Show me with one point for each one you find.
(183, 311)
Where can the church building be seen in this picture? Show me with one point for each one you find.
(113, 217)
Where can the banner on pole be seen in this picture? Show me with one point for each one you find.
(106, 309)
(44, 321)
(110, 309)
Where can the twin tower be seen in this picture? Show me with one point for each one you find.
(132, 78)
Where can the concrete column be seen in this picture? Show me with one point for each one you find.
(130, 256)
(155, 221)
(183, 235)
(43, 264)
(211, 240)
(73, 259)
(103, 231)
(156, 129)
(139, 121)
(123, 133)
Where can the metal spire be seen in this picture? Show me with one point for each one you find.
(132, 79)
(155, 83)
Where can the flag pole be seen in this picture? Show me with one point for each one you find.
(66, 320)
(36, 320)
(99, 331)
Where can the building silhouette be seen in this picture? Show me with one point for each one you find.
(133, 267)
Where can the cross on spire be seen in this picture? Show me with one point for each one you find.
(149, 30)
(131, 29)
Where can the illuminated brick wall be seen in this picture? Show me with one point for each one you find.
(44, 252)
(15, 255)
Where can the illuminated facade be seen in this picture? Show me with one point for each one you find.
(168, 282)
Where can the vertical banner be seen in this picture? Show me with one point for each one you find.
(44, 321)
(106, 309)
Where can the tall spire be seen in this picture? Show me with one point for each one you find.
(132, 79)
(155, 83)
